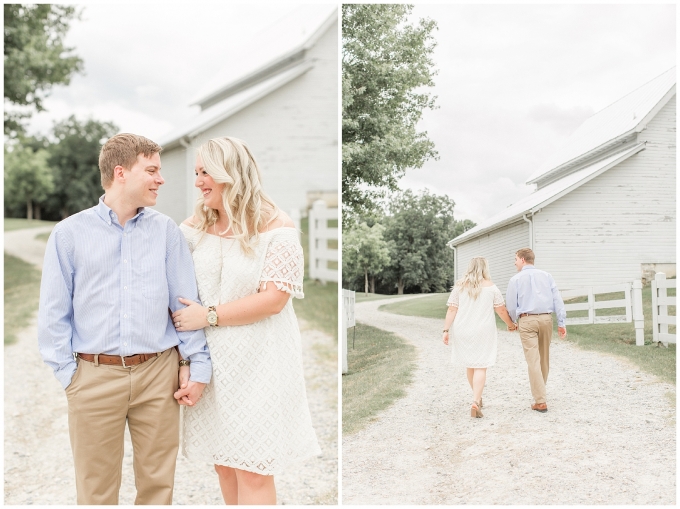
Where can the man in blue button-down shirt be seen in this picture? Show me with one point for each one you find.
(531, 298)
(110, 277)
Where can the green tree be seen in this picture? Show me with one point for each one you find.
(35, 57)
(418, 228)
(74, 159)
(386, 63)
(364, 252)
(28, 178)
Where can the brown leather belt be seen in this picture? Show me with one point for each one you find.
(117, 360)
(533, 314)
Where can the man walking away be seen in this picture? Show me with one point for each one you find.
(531, 298)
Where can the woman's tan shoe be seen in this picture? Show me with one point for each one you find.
(475, 410)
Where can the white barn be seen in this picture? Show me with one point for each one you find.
(279, 93)
(603, 211)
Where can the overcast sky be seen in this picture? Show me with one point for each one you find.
(515, 81)
(144, 63)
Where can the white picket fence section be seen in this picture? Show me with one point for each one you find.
(632, 303)
(660, 302)
(348, 300)
(319, 235)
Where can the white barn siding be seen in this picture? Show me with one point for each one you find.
(499, 248)
(292, 132)
(603, 231)
(172, 196)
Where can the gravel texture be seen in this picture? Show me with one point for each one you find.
(608, 437)
(38, 466)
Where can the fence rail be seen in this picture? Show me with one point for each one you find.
(631, 303)
(319, 235)
(348, 300)
(660, 302)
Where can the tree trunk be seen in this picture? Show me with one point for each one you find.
(36, 211)
(29, 209)
(372, 284)
(400, 286)
(366, 282)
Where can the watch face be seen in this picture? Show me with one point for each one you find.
(212, 317)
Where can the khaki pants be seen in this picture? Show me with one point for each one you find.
(100, 399)
(535, 331)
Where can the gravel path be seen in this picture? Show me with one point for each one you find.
(38, 466)
(608, 436)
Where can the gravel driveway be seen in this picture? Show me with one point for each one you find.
(608, 436)
(38, 462)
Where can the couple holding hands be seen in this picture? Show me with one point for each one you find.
(139, 316)
(531, 298)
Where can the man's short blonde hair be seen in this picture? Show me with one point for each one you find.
(122, 150)
(527, 254)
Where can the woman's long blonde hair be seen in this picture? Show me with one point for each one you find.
(477, 271)
(229, 161)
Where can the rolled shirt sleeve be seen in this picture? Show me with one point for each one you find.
(182, 283)
(55, 312)
(558, 303)
(511, 299)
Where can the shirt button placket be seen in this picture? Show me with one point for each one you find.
(126, 297)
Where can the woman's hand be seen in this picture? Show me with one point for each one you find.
(512, 326)
(445, 337)
(192, 317)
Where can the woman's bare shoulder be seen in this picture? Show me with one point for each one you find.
(282, 220)
(190, 221)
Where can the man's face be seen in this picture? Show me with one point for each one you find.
(143, 181)
(519, 263)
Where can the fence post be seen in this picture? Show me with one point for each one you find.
(591, 305)
(313, 242)
(659, 293)
(638, 316)
(345, 368)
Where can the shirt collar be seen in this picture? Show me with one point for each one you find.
(108, 215)
(528, 267)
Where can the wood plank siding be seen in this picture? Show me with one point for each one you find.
(499, 249)
(292, 132)
(602, 232)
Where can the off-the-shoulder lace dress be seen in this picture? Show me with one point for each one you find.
(474, 333)
(253, 414)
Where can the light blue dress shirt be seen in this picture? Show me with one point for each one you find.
(106, 289)
(534, 291)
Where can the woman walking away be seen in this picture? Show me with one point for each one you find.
(472, 302)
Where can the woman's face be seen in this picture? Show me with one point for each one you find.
(212, 191)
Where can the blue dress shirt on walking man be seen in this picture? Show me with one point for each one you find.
(531, 298)
(111, 277)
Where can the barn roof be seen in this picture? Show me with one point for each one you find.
(268, 61)
(546, 195)
(602, 131)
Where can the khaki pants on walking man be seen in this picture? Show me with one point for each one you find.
(535, 331)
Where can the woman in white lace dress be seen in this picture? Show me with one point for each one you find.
(253, 418)
(472, 303)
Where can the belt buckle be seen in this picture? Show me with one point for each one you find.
(123, 359)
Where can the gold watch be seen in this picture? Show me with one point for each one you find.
(212, 316)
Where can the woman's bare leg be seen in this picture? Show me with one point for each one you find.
(478, 381)
(255, 489)
(228, 485)
(470, 373)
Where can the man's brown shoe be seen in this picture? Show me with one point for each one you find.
(540, 407)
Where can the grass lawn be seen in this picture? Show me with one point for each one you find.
(21, 224)
(380, 368)
(615, 339)
(22, 293)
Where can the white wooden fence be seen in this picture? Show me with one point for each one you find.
(632, 303)
(319, 235)
(660, 302)
(348, 300)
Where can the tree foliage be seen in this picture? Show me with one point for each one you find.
(74, 158)
(35, 57)
(364, 252)
(386, 63)
(28, 179)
